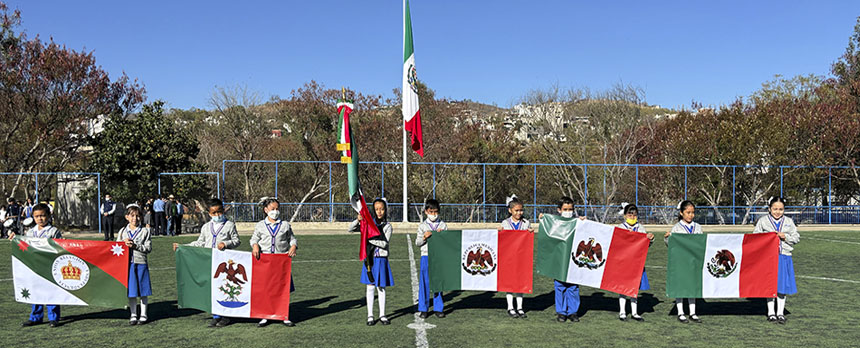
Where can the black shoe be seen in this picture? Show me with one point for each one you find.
(780, 319)
(263, 323)
(30, 323)
(423, 315)
(622, 317)
(289, 323)
(370, 321)
(771, 318)
(512, 313)
(522, 313)
(224, 321)
(573, 318)
(212, 323)
(695, 318)
(132, 322)
(53, 323)
(440, 314)
(384, 321)
(683, 318)
(560, 318)
(637, 317)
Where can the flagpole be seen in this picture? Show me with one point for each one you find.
(403, 124)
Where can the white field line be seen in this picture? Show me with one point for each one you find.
(418, 325)
(832, 240)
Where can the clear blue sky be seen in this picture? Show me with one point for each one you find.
(487, 51)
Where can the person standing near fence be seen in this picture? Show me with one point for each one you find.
(28, 209)
(13, 212)
(170, 212)
(786, 230)
(158, 214)
(107, 210)
(177, 223)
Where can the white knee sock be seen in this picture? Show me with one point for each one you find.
(520, 301)
(370, 300)
(144, 301)
(692, 303)
(770, 304)
(381, 301)
(132, 306)
(780, 304)
(634, 304)
(622, 303)
(679, 303)
(510, 298)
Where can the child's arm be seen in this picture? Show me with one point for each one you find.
(201, 239)
(57, 234)
(759, 226)
(256, 236)
(382, 244)
(355, 226)
(234, 241)
(791, 235)
(421, 237)
(146, 246)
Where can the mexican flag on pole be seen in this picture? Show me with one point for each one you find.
(233, 283)
(489, 260)
(411, 112)
(70, 272)
(349, 155)
(722, 265)
(590, 253)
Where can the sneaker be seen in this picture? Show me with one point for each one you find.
(423, 315)
(622, 317)
(53, 323)
(780, 319)
(262, 323)
(289, 323)
(440, 314)
(695, 318)
(132, 321)
(142, 320)
(637, 317)
(224, 321)
(383, 320)
(512, 313)
(560, 318)
(522, 313)
(683, 318)
(573, 318)
(29, 323)
(212, 323)
(370, 321)
(771, 318)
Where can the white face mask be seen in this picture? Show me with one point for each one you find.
(567, 214)
(432, 217)
(219, 219)
(273, 214)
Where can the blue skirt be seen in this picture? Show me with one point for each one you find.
(643, 284)
(785, 284)
(138, 280)
(381, 273)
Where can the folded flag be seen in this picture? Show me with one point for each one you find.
(233, 283)
(593, 254)
(489, 260)
(722, 265)
(70, 272)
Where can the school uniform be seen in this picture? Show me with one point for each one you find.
(109, 208)
(423, 272)
(212, 233)
(380, 270)
(37, 312)
(158, 215)
(567, 299)
(682, 227)
(274, 238)
(637, 227)
(523, 224)
(786, 284)
(139, 284)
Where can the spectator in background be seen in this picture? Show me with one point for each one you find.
(13, 212)
(170, 212)
(108, 209)
(147, 217)
(28, 209)
(159, 222)
(180, 210)
(2, 220)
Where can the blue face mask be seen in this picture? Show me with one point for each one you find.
(219, 219)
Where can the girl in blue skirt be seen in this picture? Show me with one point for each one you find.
(139, 243)
(785, 228)
(631, 222)
(378, 251)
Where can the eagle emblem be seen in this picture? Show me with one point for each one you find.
(232, 286)
(588, 255)
(412, 78)
(723, 264)
(479, 260)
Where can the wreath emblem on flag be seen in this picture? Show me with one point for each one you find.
(588, 255)
(412, 78)
(722, 264)
(480, 259)
(232, 286)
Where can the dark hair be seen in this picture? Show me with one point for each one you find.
(214, 202)
(270, 200)
(564, 200)
(683, 206)
(132, 208)
(776, 199)
(43, 207)
(514, 202)
(631, 207)
(431, 204)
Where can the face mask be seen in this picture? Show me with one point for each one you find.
(273, 214)
(567, 214)
(432, 217)
(219, 219)
(632, 221)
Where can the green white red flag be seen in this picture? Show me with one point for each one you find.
(488, 260)
(411, 111)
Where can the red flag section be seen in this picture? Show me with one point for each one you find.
(110, 257)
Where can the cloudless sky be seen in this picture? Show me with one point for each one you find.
(486, 51)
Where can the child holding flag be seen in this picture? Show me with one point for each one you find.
(687, 211)
(786, 230)
(218, 233)
(43, 229)
(273, 236)
(566, 294)
(425, 230)
(139, 242)
(515, 222)
(380, 271)
(631, 222)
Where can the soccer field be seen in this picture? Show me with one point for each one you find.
(328, 308)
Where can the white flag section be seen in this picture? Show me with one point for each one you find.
(479, 241)
(35, 289)
(723, 254)
(591, 244)
(231, 283)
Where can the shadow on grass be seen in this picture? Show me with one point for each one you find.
(600, 301)
(749, 306)
(155, 312)
(304, 310)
